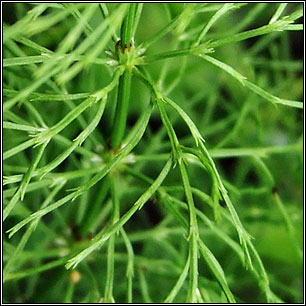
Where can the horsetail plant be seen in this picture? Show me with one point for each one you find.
(152, 152)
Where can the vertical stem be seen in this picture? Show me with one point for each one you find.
(122, 107)
(130, 266)
(127, 29)
(127, 32)
(193, 236)
(108, 294)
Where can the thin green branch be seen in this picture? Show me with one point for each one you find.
(278, 12)
(132, 140)
(279, 25)
(173, 293)
(101, 239)
(130, 265)
(29, 231)
(264, 94)
(223, 10)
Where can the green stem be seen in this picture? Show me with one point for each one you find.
(108, 292)
(123, 98)
(130, 265)
(127, 33)
(127, 29)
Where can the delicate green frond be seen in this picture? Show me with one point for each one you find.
(99, 241)
(113, 101)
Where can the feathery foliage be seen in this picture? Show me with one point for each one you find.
(152, 152)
